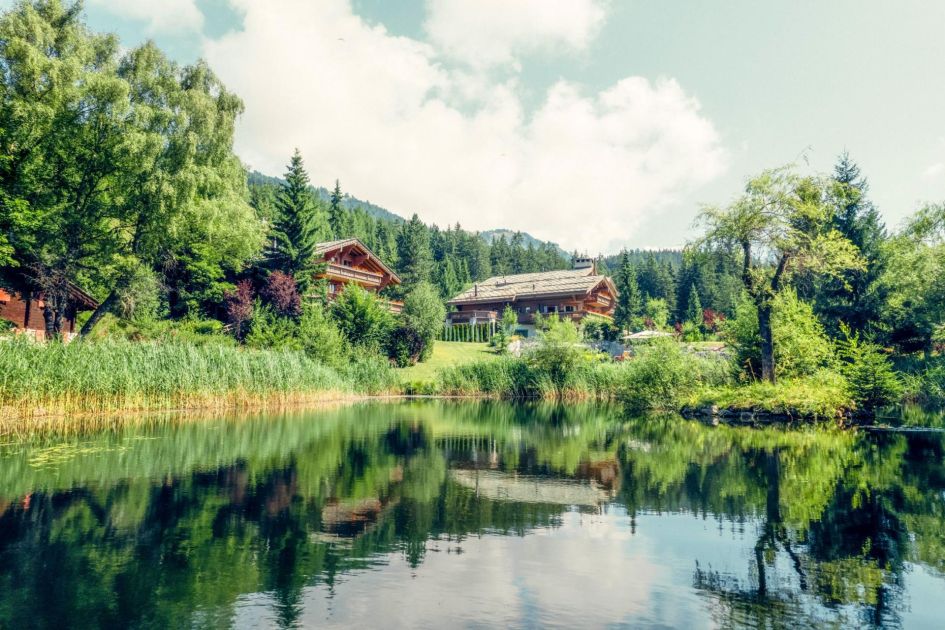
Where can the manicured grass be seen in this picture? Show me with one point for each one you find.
(447, 354)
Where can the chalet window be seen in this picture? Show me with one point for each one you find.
(568, 308)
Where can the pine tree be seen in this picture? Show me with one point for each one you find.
(851, 299)
(694, 307)
(415, 258)
(338, 216)
(297, 228)
(629, 299)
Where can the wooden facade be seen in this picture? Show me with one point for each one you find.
(25, 312)
(575, 294)
(349, 261)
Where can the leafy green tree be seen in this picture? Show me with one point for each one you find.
(657, 312)
(913, 281)
(780, 225)
(424, 313)
(116, 157)
(298, 228)
(415, 259)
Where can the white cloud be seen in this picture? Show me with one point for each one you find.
(934, 170)
(159, 15)
(490, 32)
(383, 115)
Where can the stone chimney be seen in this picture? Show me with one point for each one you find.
(582, 262)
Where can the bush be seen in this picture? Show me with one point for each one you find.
(320, 338)
(282, 293)
(406, 346)
(558, 352)
(871, 380)
(269, 331)
(361, 317)
(661, 375)
(801, 347)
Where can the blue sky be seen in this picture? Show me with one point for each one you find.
(593, 123)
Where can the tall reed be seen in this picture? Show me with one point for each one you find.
(113, 375)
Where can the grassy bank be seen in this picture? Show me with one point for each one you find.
(55, 379)
(823, 396)
(446, 354)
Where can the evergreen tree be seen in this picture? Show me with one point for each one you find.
(338, 218)
(694, 306)
(297, 229)
(629, 299)
(415, 258)
(852, 298)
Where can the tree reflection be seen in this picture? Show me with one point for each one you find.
(279, 505)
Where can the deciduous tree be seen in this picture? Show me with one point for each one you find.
(780, 225)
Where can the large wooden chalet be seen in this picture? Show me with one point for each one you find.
(349, 261)
(577, 294)
(25, 311)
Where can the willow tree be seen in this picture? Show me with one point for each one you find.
(780, 225)
(124, 162)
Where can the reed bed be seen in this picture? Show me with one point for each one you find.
(62, 379)
(659, 378)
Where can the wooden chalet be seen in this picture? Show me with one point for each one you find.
(349, 261)
(25, 311)
(576, 293)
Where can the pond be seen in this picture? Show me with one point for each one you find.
(439, 514)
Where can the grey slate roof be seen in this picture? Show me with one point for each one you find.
(533, 286)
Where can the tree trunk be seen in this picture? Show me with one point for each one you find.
(767, 343)
(52, 319)
(97, 315)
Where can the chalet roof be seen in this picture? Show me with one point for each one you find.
(534, 286)
(82, 300)
(321, 249)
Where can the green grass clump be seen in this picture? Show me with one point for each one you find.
(824, 395)
(115, 375)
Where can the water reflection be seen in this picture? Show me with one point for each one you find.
(439, 513)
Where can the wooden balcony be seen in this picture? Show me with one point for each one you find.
(393, 306)
(350, 274)
(481, 317)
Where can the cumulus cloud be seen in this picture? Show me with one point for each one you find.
(383, 114)
(160, 16)
(491, 32)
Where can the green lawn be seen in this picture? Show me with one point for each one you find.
(446, 354)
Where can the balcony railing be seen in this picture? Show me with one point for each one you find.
(350, 273)
(480, 316)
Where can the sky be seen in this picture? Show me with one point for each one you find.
(596, 124)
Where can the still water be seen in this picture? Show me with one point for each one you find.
(435, 514)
